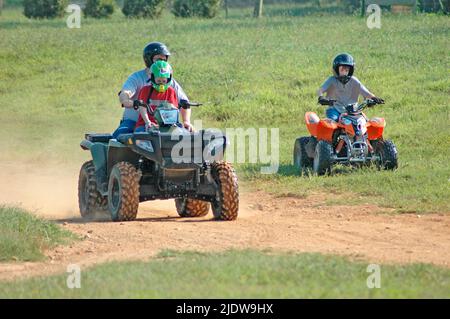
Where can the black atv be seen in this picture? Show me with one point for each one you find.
(165, 162)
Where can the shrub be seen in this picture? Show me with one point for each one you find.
(143, 8)
(99, 8)
(196, 8)
(40, 9)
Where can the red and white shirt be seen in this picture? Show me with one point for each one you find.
(154, 100)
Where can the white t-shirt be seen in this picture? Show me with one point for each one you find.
(344, 94)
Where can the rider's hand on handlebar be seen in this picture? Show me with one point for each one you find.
(184, 104)
(377, 100)
(150, 126)
(324, 101)
(137, 103)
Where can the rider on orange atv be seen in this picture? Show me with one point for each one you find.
(343, 88)
(347, 136)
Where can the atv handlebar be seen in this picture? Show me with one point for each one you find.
(350, 108)
(187, 104)
(325, 101)
(138, 103)
(183, 104)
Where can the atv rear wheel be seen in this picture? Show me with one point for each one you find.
(302, 162)
(226, 204)
(387, 151)
(188, 207)
(323, 158)
(123, 192)
(90, 201)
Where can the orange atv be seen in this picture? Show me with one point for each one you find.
(353, 140)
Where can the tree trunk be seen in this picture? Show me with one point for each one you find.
(258, 9)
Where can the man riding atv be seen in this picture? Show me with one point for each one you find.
(162, 159)
(343, 88)
(158, 92)
(154, 51)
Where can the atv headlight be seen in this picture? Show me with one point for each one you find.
(145, 145)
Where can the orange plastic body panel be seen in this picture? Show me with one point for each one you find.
(349, 129)
(375, 128)
(325, 129)
(322, 129)
(312, 120)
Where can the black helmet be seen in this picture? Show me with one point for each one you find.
(152, 49)
(343, 59)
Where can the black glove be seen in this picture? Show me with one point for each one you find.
(184, 104)
(378, 100)
(324, 101)
(137, 103)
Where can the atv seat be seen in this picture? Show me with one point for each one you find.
(98, 138)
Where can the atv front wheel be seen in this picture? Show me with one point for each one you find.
(226, 204)
(323, 158)
(301, 160)
(387, 151)
(90, 201)
(188, 207)
(123, 192)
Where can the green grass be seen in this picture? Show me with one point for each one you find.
(24, 237)
(56, 84)
(238, 274)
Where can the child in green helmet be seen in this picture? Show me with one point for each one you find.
(159, 91)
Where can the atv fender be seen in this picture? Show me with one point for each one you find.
(312, 120)
(99, 156)
(375, 128)
(119, 152)
(98, 152)
(325, 129)
(86, 145)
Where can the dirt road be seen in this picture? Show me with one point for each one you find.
(363, 232)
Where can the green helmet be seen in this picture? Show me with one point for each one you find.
(161, 69)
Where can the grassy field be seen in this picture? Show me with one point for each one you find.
(58, 83)
(24, 237)
(239, 274)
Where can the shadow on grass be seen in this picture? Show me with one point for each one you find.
(255, 170)
(287, 170)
